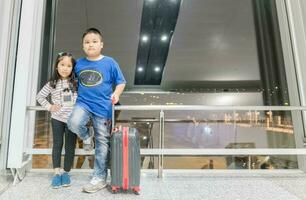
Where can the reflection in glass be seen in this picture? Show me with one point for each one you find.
(232, 129)
(221, 53)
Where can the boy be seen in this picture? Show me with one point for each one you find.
(96, 75)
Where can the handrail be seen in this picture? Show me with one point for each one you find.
(161, 151)
(192, 152)
(214, 108)
(194, 107)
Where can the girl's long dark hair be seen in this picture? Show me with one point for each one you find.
(56, 77)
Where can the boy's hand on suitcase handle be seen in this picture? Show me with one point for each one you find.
(116, 129)
(114, 98)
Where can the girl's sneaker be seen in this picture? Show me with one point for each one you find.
(56, 181)
(66, 182)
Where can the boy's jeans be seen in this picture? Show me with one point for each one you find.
(77, 124)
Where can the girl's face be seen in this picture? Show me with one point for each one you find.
(92, 45)
(64, 67)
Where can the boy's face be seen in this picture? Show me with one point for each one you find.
(92, 45)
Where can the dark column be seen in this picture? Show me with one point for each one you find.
(270, 55)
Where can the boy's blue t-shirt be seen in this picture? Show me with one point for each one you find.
(95, 84)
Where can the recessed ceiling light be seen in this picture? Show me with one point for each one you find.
(157, 69)
(145, 38)
(140, 69)
(164, 38)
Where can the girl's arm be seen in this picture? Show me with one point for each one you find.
(41, 97)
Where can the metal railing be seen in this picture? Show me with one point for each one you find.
(161, 151)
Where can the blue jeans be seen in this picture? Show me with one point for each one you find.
(77, 123)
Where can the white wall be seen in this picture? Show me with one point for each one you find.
(5, 19)
(9, 22)
(297, 22)
(28, 56)
(297, 38)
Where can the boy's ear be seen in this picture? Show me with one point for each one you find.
(102, 44)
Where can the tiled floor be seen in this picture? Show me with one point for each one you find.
(229, 185)
(5, 182)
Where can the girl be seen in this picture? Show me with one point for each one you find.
(62, 89)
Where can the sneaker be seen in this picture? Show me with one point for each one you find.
(66, 182)
(88, 143)
(56, 181)
(95, 185)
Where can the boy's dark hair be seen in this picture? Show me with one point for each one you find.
(92, 30)
(56, 77)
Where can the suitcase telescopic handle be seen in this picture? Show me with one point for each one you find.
(113, 118)
(113, 115)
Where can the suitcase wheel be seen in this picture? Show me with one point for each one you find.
(115, 189)
(136, 191)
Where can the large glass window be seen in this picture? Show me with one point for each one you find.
(195, 52)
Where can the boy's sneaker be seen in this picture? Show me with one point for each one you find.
(95, 185)
(66, 179)
(56, 181)
(88, 143)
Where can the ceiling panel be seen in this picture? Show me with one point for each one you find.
(214, 40)
(119, 22)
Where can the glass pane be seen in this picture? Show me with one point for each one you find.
(233, 130)
(221, 53)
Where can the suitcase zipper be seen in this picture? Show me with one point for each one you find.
(125, 139)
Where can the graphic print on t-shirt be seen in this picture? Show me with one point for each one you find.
(90, 78)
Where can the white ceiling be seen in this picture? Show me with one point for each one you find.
(214, 40)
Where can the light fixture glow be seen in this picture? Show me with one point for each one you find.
(144, 38)
(164, 38)
(140, 69)
(157, 69)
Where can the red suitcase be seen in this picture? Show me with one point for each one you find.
(125, 160)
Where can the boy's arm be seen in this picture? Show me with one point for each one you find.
(118, 90)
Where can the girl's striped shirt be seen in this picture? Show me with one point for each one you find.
(56, 99)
